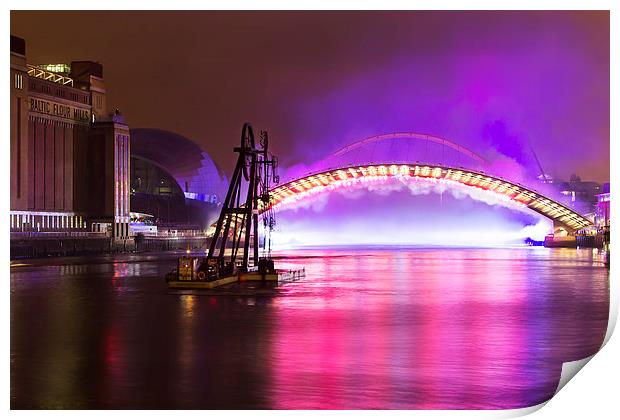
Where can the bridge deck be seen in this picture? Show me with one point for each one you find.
(345, 176)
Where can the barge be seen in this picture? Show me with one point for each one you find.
(194, 273)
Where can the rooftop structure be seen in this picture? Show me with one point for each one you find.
(42, 73)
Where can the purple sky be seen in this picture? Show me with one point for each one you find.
(492, 81)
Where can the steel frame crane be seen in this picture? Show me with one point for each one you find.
(238, 220)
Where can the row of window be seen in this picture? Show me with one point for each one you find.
(58, 91)
(121, 157)
(28, 222)
(57, 68)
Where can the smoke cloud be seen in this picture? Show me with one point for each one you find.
(399, 212)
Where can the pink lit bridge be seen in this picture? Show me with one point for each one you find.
(412, 157)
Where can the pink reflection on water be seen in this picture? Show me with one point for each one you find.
(411, 330)
(114, 357)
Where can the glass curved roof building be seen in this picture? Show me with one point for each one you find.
(173, 179)
(193, 169)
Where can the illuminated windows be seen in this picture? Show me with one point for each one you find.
(56, 68)
(19, 81)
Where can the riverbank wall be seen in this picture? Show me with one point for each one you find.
(72, 246)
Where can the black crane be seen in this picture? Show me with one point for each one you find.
(237, 225)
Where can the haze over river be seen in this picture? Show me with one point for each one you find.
(391, 328)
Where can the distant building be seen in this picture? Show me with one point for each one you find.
(545, 179)
(69, 157)
(602, 208)
(580, 195)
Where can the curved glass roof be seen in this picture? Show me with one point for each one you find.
(198, 176)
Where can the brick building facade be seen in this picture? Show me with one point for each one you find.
(69, 156)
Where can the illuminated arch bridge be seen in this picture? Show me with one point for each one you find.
(348, 176)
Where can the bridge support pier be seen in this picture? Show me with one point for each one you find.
(560, 229)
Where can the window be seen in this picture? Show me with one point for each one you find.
(19, 81)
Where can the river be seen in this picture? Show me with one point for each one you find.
(367, 328)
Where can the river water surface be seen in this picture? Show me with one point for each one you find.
(365, 329)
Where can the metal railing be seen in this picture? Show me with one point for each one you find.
(51, 235)
(40, 73)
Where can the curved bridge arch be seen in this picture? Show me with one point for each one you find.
(409, 136)
(341, 177)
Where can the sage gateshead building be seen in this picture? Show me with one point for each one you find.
(70, 158)
(174, 182)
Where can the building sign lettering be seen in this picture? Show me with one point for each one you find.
(59, 110)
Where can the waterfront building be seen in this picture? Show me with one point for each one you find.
(175, 184)
(602, 208)
(69, 155)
